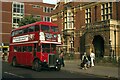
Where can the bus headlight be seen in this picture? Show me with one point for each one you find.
(57, 60)
(44, 60)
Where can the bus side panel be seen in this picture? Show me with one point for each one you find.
(29, 58)
(42, 56)
(10, 57)
(21, 58)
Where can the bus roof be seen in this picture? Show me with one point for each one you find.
(36, 23)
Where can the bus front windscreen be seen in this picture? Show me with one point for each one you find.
(45, 28)
(54, 28)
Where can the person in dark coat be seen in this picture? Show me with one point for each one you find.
(84, 61)
(61, 56)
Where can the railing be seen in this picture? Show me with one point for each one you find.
(100, 24)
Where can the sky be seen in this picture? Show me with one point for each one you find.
(50, 1)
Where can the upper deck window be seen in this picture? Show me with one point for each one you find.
(54, 29)
(20, 31)
(37, 27)
(31, 29)
(25, 30)
(13, 33)
(45, 28)
(16, 32)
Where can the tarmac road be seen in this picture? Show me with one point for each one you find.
(26, 72)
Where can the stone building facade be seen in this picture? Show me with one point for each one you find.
(89, 26)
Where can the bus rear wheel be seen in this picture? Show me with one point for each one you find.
(36, 65)
(14, 62)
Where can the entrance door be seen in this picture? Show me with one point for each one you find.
(98, 43)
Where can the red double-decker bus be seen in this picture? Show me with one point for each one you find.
(35, 45)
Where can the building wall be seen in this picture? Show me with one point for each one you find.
(84, 36)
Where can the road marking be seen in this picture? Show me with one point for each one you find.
(13, 74)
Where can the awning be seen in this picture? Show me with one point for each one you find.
(4, 46)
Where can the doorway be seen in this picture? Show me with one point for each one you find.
(98, 44)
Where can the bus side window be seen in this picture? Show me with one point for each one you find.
(15, 49)
(24, 48)
(19, 48)
(16, 32)
(38, 49)
(31, 29)
(25, 30)
(37, 27)
(20, 31)
(13, 34)
(29, 48)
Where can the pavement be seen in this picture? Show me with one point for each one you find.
(98, 70)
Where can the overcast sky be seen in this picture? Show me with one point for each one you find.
(50, 1)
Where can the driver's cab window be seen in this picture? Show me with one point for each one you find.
(46, 48)
(53, 48)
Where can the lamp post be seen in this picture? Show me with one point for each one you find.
(110, 47)
(115, 41)
(71, 43)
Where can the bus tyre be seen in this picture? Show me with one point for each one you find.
(36, 65)
(14, 62)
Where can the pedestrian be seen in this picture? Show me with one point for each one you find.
(84, 61)
(92, 55)
(89, 61)
(61, 56)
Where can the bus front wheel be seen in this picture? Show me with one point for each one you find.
(14, 62)
(58, 67)
(36, 65)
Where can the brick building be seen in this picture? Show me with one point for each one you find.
(13, 12)
(89, 26)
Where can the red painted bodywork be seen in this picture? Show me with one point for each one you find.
(26, 58)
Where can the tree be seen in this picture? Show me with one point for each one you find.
(28, 20)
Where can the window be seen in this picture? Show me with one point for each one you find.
(19, 48)
(18, 7)
(24, 48)
(31, 29)
(16, 20)
(17, 13)
(16, 32)
(106, 11)
(53, 48)
(25, 30)
(38, 48)
(12, 34)
(69, 20)
(54, 29)
(36, 6)
(47, 9)
(15, 49)
(45, 28)
(46, 18)
(88, 15)
(29, 48)
(20, 31)
(46, 48)
(37, 27)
